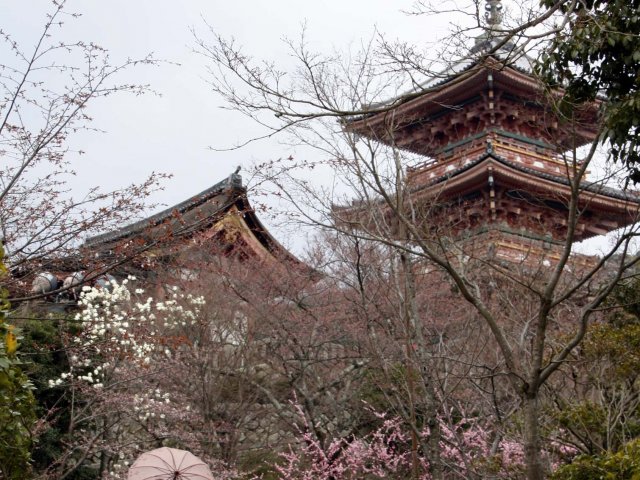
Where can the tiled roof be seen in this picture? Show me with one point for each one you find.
(233, 182)
(521, 63)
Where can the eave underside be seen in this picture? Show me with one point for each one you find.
(492, 190)
(482, 100)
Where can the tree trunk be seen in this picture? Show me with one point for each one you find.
(417, 350)
(435, 460)
(533, 460)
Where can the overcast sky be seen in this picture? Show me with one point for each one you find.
(171, 132)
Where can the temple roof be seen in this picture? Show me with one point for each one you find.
(601, 208)
(230, 185)
(220, 209)
(216, 224)
(504, 57)
(477, 87)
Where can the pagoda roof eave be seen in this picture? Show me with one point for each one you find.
(389, 121)
(451, 181)
(432, 90)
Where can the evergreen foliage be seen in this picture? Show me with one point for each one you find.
(598, 54)
(621, 465)
(17, 404)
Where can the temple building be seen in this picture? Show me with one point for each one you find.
(498, 178)
(498, 170)
(218, 221)
(178, 242)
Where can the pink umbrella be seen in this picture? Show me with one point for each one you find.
(169, 464)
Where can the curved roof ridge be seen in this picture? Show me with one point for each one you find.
(232, 182)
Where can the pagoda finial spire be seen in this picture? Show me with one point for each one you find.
(493, 13)
(492, 29)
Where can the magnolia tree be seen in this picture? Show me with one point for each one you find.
(124, 380)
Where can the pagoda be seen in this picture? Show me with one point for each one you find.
(496, 176)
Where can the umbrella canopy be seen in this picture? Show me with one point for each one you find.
(169, 464)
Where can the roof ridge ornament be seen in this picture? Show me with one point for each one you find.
(493, 13)
(235, 179)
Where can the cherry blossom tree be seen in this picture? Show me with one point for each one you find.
(466, 449)
(45, 91)
(528, 318)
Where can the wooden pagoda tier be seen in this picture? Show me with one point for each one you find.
(474, 99)
(518, 207)
(496, 176)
